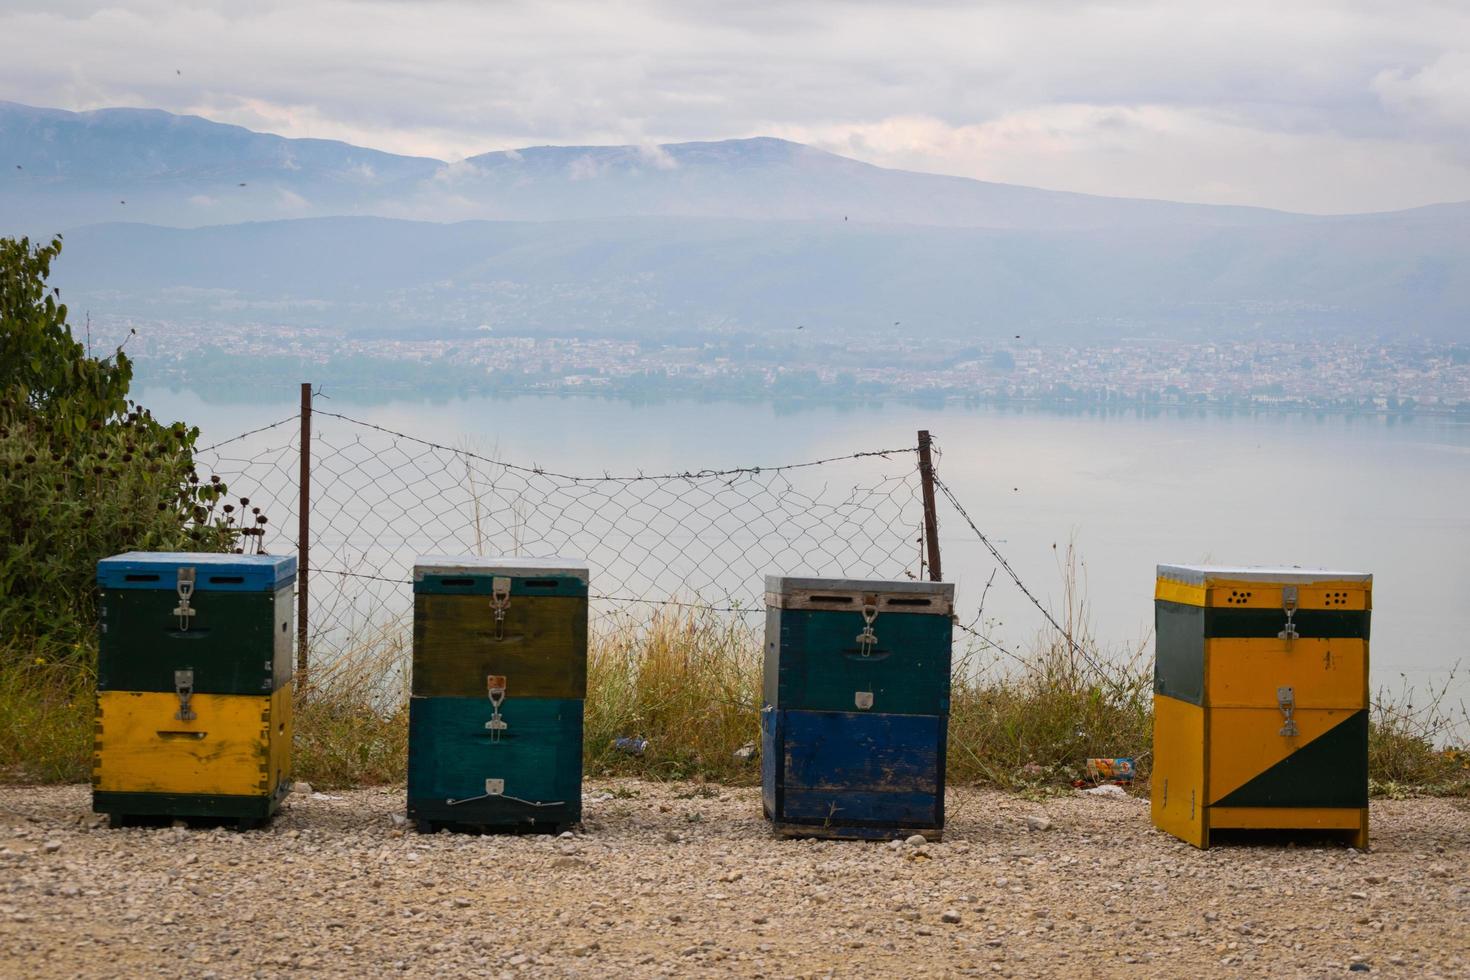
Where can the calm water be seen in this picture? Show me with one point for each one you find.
(1364, 493)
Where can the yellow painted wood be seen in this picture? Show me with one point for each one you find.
(1167, 590)
(1178, 781)
(237, 745)
(1244, 672)
(1287, 818)
(1245, 742)
(1265, 595)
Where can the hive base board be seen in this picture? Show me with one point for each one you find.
(248, 810)
(839, 831)
(494, 814)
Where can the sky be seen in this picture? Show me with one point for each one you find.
(1355, 105)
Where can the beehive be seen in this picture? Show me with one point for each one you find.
(855, 709)
(1260, 701)
(193, 685)
(499, 678)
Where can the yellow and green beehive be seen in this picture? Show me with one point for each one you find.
(193, 685)
(1260, 701)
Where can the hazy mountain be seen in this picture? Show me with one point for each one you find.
(647, 276)
(79, 168)
(740, 234)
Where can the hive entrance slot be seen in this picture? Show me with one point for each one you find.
(842, 600)
(909, 602)
(457, 582)
(139, 577)
(540, 583)
(226, 579)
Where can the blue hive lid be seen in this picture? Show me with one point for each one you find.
(213, 572)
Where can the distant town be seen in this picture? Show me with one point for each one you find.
(232, 361)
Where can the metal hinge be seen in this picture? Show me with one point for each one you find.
(499, 603)
(184, 688)
(1286, 701)
(495, 689)
(1288, 603)
(185, 588)
(867, 640)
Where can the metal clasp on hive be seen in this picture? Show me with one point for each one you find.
(1288, 603)
(184, 688)
(185, 588)
(867, 640)
(499, 603)
(495, 690)
(1286, 701)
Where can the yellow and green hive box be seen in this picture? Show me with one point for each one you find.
(1260, 700)
(193, 685)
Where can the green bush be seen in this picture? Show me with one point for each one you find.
(84, 471)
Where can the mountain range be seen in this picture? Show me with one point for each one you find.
(177, 216)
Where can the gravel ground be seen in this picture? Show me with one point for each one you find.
(682, 880)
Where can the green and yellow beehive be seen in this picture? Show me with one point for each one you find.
(499, 678)
(193, 685)
(1260, 701)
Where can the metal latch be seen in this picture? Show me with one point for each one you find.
(866, 640)
(494, 787)
(863, 699)
(1288, 602)
(499, 603)
(495, 688)
(184, 688)
(1286, 701)
(185, 588)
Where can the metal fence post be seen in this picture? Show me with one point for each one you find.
(931, 518)
(303, 538)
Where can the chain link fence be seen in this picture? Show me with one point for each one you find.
(703, 538)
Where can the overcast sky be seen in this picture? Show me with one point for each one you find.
(1297, 104)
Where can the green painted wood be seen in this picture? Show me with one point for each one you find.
(1329, 771)
(814, 662)
(189, 805)
(1179, 651)
(1331, 624)
(541, 648)
(482, 584)
(451, 754)
(236, 643)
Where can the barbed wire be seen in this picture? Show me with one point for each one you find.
(699, 539)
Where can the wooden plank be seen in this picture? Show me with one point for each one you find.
(234, 643)
(1246, 672)
(540, 647)
(820, 666)
(1286, 818)
(1246, 742)
(143, 748)
(451, 753)
(1177, 802)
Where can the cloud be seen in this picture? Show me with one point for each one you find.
(1068, 88)
(583, 168)
(656, 156)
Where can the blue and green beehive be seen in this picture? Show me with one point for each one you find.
(193, 685)
(499, 679)
(855, 707)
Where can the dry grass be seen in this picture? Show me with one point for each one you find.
(688, 681)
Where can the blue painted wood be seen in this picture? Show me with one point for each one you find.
(840, 772)
(473, 575)
(814, 662)
(539, 756)
(213, 572)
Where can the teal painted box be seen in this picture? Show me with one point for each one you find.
(855, 714)
(499, 678)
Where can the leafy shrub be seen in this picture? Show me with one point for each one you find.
(84, 471)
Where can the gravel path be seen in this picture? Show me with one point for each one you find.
(681, 880)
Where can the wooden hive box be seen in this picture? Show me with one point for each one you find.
(499, 679)
(855, 712)
(1261, 701)
(193, 685)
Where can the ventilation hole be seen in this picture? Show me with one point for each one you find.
(457, 582)
(909, 602)
(540, 583)
(843, 600)
(140, 578)
(226, 579)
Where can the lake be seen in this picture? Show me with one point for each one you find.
(1377, 494)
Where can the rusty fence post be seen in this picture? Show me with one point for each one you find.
(931, 518)
(303, 538)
